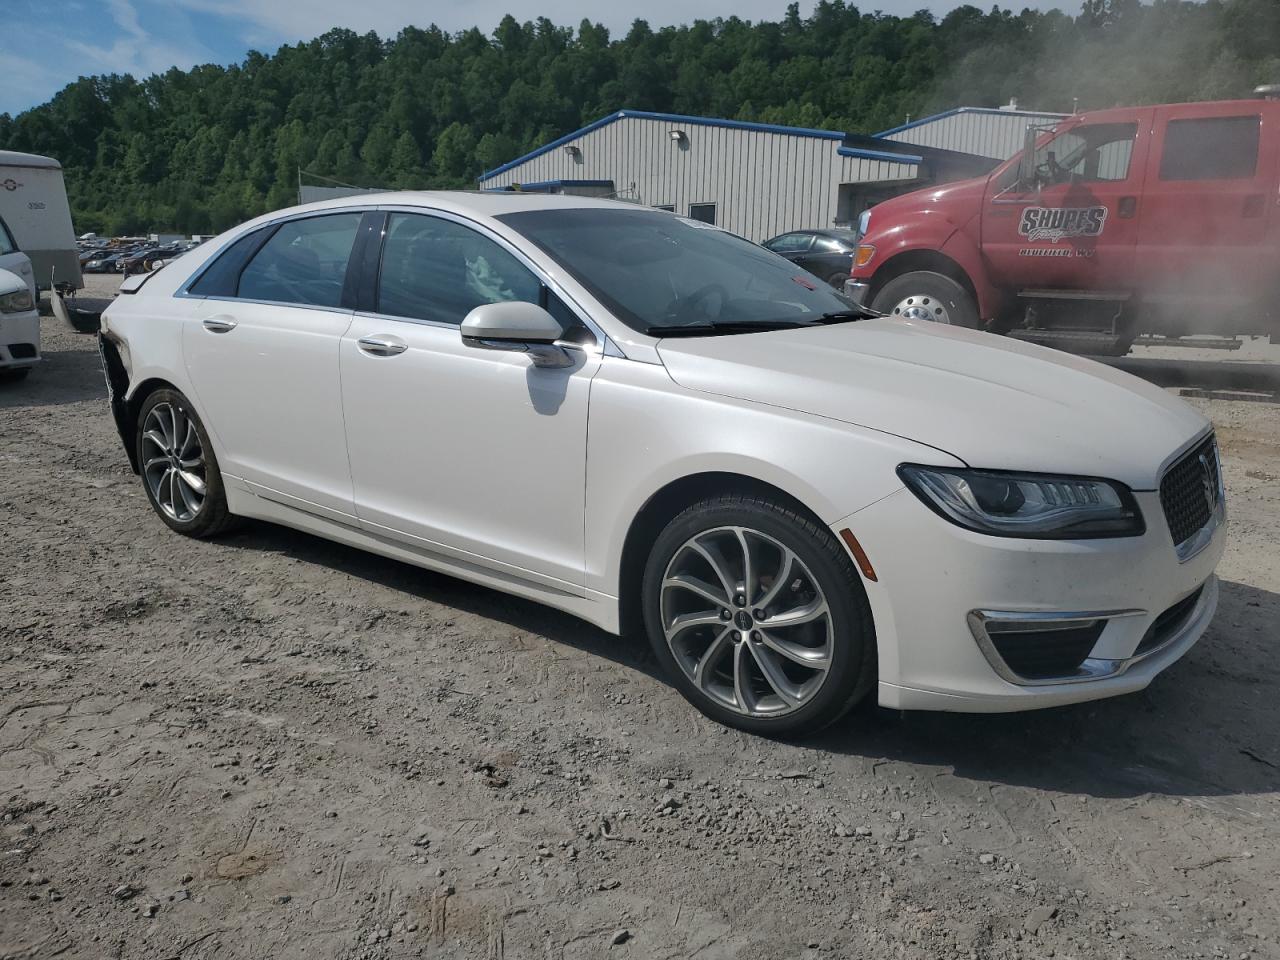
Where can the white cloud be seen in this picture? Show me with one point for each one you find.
(135, 50)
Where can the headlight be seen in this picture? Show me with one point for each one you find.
(1033, 505)
(19, 302)
(864, 221)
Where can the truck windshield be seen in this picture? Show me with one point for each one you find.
(659, 273)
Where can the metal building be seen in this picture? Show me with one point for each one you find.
(754, 179)
(979, 131)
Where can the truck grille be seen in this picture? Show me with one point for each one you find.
(1191, 491)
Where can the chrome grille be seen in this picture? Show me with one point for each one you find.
(1191, 491)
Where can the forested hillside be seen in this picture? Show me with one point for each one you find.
(202, 149)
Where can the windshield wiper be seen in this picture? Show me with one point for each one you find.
(843, 316)
(712, 328)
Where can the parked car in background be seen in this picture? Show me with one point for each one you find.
(19, 319)
(104, 262)
(826, 253)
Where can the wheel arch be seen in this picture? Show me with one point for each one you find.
(662, 507)
(911, 261)
(130, 407)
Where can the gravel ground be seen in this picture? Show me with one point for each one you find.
(274, 746)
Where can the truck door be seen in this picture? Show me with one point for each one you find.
(1211, 189)
(1076, 226)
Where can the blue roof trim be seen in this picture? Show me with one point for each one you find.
(957, 110)
(879, 155)
(670, 118)
(551, 184)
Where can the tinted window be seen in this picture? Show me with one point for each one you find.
(305, 261)
(705, 212)
(790, 243)
(221, 277)
(655, 270)
(1213, 148)
(7, 244)
(435, 269)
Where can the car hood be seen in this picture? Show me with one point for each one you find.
(992, 402)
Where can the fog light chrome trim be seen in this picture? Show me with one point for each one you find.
(1022, 621)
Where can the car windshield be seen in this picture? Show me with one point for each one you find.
(662, 275)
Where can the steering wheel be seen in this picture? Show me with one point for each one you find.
(686, 309)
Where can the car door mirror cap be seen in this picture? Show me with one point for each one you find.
(515, 325)
(10, 282)
(511, 321)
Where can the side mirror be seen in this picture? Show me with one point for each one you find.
(1027, 162)
(519, 326)
(11, 283)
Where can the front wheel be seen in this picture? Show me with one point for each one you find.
(179, 471)
(925, 295)
(759, 616)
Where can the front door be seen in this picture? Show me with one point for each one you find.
(263, 361)
(1076, 226)
(475, 453)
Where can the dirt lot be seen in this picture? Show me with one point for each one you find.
(272, 746)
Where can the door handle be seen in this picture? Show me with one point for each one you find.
(382, 346)
(1127, 207)
(219, 324)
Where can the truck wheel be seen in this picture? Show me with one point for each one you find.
(925, 295)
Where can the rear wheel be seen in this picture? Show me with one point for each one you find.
(837, 279)
(758, 616)
(925, 295)
(179, 470)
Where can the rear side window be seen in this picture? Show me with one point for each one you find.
(1211, 148)
(830, 245)
(221, 277)
(438, 270)
(790, 243)
(304, 262)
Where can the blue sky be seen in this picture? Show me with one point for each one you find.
(46, 44)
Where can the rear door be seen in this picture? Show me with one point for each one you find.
(261, 350)
(1077, 227)
(1211, 190)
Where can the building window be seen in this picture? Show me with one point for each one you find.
(706, 212)
(1211, 148)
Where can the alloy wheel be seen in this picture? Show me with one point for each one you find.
(173, 462)
(746, 621)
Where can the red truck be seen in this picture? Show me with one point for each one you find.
(1160, 220)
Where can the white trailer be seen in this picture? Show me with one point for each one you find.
(33, 201)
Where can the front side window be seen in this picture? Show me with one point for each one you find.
(1211, 148)
(790, 243)
(304, 262)
(656, 272)
(7, 243)
(438, 270)
(1088, 153)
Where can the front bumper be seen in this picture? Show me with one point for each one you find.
(19, 339)
(938, 582)
(857, 290)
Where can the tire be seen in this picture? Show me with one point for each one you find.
(14, 374)
(837, 279)
(925, 295)
(185, 508)
(820, 577)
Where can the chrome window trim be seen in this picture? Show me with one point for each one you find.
(1093, 668)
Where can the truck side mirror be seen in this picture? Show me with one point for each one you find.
(1027, 162)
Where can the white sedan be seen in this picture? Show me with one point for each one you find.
(653, 424)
